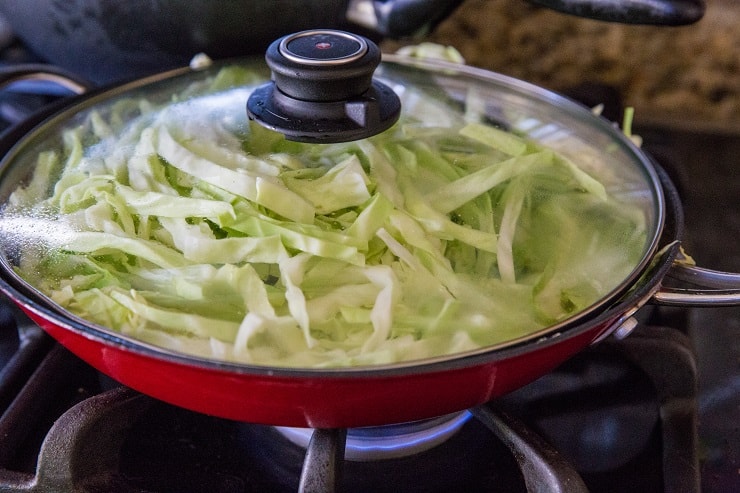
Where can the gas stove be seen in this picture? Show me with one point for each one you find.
(653, 412)
(620, 415)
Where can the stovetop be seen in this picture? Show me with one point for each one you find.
(705, 167)
(614, 418)
(655, 412)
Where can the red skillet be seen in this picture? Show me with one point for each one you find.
(375, 395)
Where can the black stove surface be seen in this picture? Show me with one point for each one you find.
(705, 167)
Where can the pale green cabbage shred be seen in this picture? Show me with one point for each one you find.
(229, 242)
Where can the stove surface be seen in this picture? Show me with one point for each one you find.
(705, 167)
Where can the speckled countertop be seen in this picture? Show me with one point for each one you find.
(688, 75)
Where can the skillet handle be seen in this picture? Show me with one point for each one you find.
(709, 288)
(45, 73)
(650, 12)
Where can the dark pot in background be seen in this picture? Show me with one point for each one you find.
(109, 40)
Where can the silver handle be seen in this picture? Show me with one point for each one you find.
(708, 287)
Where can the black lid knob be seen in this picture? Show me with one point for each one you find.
(323, 89)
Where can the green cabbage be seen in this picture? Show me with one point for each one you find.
(228, 242)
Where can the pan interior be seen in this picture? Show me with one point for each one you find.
(493, 213)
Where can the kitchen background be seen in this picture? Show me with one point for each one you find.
(688, 75)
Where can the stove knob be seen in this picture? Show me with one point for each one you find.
(625, 328)
(323, 89)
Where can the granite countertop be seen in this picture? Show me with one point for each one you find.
(687, 76)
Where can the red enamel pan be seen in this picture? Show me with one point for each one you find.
(376, 394)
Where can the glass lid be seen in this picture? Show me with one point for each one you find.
(492, 212)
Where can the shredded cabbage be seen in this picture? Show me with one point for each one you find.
(227, 241)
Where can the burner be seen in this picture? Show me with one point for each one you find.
(390, 441)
